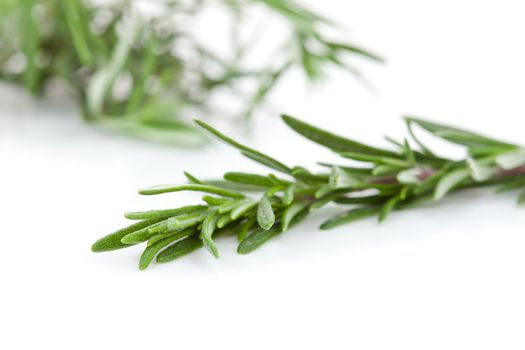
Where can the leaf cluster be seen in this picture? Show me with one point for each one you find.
(141, 73)
(258, 207)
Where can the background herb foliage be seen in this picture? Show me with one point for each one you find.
(258, 207)
(163, 71)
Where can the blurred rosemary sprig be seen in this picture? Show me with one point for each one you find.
(389, 179)
(138, 66)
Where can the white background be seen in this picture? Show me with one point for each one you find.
(446, 276)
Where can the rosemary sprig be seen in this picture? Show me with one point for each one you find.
(140, 72)
(389, 179)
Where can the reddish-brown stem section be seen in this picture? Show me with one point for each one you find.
(512, 172)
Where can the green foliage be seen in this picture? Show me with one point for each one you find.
(141, 72)
(391, 179)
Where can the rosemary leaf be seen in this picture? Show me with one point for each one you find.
(265, 214)
(193, 187)
(183, 222)
(152, 250)
(245, 228)
(257, 239)
(334, 142)
(163, 214)
(457, 135)
(179, 249)
(249, 179)
(224, 220)
(391, 204)
(289, 194)
(356, 50)
(242, 208)
(376, 159)
(479, 171)
(228, 206)
(349, 216)
(208, 227)
(113, 240)
(511, 160)
(144, 234)
(215, 201)
(249, 152)
(360, 200)
(449, 181)
(193, 179)
(290, 213)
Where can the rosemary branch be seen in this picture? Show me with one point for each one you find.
(140, 71)
(389, 179)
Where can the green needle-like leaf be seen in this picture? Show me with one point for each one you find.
(245, 228)
(228, 206)
(215, 201)
(430, 182)
(349, 216)
(257, 239)
(323, 191)
(224, 220)
(409, 176)
(339, 178)
(253, 154)
(511, 160)
(334, 142)
(193, 179)
(356, 50)
(265, 214)
(152, 250)
(184, 221)
(368, 200)
(376, 159)
(391, 204)
(243, 208)
(289, 194)
(208, 227)
(449, 181)
(113, 240)
(249, 179)
(144, 234)
(163, 214)
(380, 170)
(179, 249)
(479, 171)
(159, 189)
(457, 135)
(290, 213)
(408, 152)
(73, 18)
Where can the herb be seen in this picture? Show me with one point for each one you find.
(139, 67)
(388, 180)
